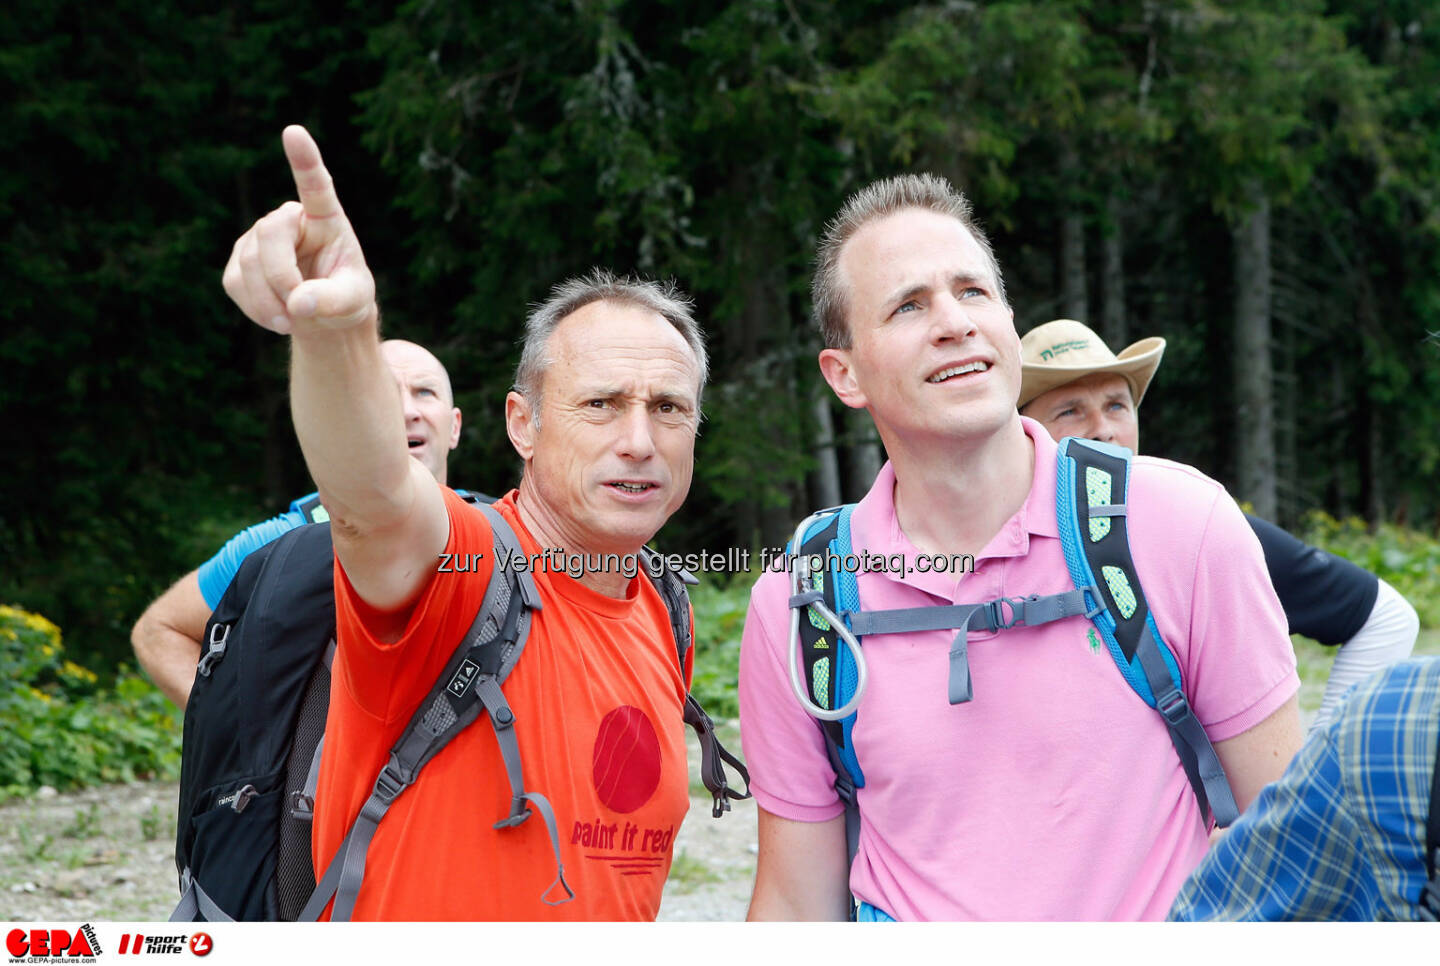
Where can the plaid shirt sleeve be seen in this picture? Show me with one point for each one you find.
(1341, 835)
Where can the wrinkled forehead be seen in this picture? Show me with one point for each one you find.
(611, 342)
(413, 363)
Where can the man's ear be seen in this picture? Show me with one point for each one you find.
(454, 427)
(520, 424)
(837, 368)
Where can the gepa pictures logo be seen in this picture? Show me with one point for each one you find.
(53, 945)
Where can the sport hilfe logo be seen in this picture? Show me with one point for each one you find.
(135, 944)
(58, 944)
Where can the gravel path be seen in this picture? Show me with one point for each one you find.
(108, 853)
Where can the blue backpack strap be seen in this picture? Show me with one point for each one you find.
(311, 509)
(825, 588)
(831, 674)
(1091, 485)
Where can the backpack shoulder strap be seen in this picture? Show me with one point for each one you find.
(312, 509)
(672, 587)
(833, 677)
(469, 685)
(1091, 484)
(824, 586)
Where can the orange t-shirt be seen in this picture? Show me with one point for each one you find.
(598, 701)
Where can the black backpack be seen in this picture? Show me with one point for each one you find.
(255, 721)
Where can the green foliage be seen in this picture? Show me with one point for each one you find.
(153, 825)
(688, 873)
(85, 824)
(486, 151)
(719, 619)
(1408, 560)
(58, 728)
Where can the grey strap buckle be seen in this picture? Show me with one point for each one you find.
(302, 806)
(219, 634)
(1173, 706)
(390, 784)
(519, 812)
(242, 798)
(995, 612)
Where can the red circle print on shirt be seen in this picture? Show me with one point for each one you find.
(626, 760)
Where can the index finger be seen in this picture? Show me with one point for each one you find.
(312, 181)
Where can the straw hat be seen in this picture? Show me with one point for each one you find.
(1062, 351)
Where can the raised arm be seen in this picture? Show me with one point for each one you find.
(301, 270)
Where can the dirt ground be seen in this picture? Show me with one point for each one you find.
(108, 853)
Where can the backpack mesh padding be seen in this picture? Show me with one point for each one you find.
(439, 716)
(294, 865)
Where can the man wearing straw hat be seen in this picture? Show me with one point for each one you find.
(1075, 386)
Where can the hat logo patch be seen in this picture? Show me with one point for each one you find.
(1060, 348)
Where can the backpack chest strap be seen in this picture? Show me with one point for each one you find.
(992, 615)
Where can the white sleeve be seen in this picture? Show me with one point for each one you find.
(1388, 635)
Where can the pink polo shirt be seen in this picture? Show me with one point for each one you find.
(1055, 793)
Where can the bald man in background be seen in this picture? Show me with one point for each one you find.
(167, 637)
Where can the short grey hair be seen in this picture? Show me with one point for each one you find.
(881, 198)
(570, 296)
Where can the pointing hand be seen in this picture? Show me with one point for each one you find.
(301, 265)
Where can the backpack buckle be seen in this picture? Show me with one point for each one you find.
(389, 785)
(995, 612)
(1173, 707)
(302, 806)
(519, 812)
(219, 634)
(721, 803)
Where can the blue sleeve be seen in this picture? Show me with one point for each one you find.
(216, 573)
(1296, 853)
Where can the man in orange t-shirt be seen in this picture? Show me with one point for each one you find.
(603, 417)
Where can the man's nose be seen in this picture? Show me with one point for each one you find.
(636, 440)
(408, 405)
(1101, 430)
(950, 318)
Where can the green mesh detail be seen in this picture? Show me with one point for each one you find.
(817, 582)
(1120, 589)
(820, 683)
(1097, 490)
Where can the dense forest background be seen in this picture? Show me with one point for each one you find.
(1257, 185)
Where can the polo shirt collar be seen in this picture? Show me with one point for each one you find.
(875, 527)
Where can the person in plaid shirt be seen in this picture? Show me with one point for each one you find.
(1341, 835)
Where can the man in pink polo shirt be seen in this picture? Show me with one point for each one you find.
(1055, 792)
